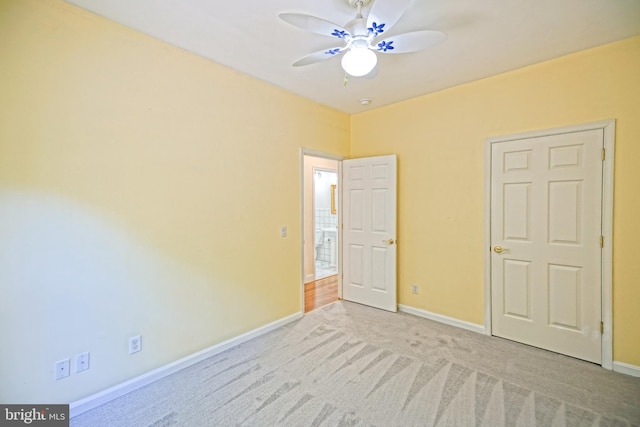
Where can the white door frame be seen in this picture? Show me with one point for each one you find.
(339, 159)
(608, 127)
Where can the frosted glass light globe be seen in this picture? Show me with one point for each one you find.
(359, 61)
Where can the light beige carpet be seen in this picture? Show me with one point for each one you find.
(351, 365)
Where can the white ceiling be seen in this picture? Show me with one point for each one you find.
(485, 38)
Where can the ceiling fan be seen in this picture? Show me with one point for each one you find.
(360, 35)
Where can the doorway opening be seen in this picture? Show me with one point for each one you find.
(325, 222)
(364, 247)
(320, 218)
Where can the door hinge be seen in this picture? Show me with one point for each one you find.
(603, 153)
(602, 327)
(602, 241)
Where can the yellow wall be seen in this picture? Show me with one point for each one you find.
(440, 141)
(142, 191)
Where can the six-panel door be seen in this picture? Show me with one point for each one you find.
(369, 234)
(545, 235)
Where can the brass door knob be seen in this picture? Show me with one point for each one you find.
(498, 249)
(389, 242)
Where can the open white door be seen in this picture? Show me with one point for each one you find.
(369, 233)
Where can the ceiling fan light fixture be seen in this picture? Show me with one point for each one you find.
(359, 61)
(360, 42)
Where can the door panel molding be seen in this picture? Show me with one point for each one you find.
(563, 158)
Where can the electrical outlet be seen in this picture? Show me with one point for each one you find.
(82, 362)
(135, 344)
(63, 368)
(415, 289)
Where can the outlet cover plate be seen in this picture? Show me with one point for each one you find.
(63, 368)
(135, 344)
(82, 362)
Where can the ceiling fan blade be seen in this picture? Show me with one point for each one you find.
(318, 56)
(385, 13)
(315, 25)
(410, 42)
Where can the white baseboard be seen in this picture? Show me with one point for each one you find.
(83, 405)
(442, 319)
(625, 368)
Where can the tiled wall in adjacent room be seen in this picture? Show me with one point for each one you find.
(324, 219)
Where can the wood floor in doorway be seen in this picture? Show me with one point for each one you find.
(320, 292)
